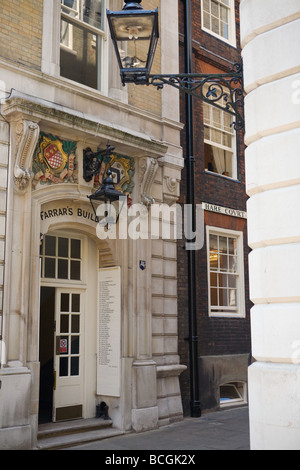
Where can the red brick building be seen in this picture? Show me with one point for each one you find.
(217, 351)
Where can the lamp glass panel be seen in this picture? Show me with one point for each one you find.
(133, 54)
(130, 27)
(135, 37)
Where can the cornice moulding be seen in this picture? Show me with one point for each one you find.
(37, 110)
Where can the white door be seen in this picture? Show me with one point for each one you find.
(68, 354)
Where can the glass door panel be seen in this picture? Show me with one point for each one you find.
(68, 355)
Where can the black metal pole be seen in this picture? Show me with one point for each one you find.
(189, 160)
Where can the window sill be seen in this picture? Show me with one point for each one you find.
(212, 173)
(227, 315)
(231, 43)
(228, 403)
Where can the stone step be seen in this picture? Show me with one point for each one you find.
(62, 435)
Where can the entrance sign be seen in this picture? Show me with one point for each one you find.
(109, 332)
(64, 212)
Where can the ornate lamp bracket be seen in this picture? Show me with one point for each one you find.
(92, 161)
(224, 91)
(138, 27)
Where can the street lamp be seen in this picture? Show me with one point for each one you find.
(135, 33)
(107, 193)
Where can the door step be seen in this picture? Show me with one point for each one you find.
(53, 436)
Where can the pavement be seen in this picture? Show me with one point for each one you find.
(220, 430)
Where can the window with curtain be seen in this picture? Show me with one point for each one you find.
(219, 141)
(81, 41)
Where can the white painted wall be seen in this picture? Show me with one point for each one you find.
(270, 34)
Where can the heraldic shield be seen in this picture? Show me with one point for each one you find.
(52, 155)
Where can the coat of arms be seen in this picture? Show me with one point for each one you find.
(52, 155)
(96, 165)
(54, 160)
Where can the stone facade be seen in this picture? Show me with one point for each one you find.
(38, 202)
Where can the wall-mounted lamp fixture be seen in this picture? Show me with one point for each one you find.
(107, 193)
(135, 33)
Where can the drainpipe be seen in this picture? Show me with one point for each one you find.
(189, 161)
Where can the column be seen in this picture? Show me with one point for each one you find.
(144, 414)
(270, 35)
(15, 376)
(4, 144)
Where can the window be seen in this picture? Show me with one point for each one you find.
(219, 141)
(81, 41)
(69, 316)
(61, 258)
(225, 273)
(218, 18)
(233, 393)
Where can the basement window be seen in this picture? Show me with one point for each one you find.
(232, 393)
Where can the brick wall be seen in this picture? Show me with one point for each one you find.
(143, 97)
(21, 42)
(21, 31)
(217, 336)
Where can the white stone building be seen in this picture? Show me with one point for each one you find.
(270, 34)
(73, 304)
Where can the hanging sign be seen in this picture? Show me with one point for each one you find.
(109, 332)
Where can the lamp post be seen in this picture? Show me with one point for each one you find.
(135, 33)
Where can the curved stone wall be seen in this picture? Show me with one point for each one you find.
(270, 34)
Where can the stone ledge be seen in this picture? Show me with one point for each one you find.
(170, 370)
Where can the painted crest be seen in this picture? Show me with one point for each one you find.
(53, 155)
(123, 171)
(54, 161)
(55, 158)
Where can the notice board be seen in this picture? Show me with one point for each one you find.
(109, 332)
